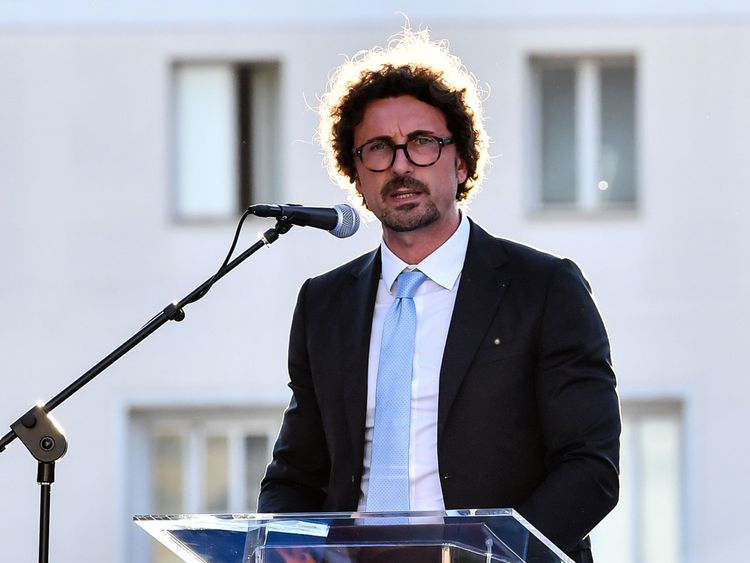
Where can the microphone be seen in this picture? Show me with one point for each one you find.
(341, 220)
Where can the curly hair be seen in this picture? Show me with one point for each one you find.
(411, 65)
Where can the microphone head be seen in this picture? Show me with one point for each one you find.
(348, 223)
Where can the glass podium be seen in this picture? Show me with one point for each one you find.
(453, 536)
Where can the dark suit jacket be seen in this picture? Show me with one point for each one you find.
(528, 414)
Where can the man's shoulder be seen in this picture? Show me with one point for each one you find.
(536, 267)
(361, 267)
(517, 254)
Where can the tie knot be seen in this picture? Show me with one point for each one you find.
(408, 282)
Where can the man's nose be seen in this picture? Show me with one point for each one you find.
(401, 163)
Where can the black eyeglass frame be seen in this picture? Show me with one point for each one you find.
(441, 141)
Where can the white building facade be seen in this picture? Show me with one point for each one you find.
(130, 140)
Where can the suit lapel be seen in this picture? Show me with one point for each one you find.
(480, 290)
(359, 299)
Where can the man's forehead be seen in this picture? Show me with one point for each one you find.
(399, 117)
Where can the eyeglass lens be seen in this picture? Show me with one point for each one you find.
(379, 154)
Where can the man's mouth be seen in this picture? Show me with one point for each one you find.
(403, 189)
(405, 195)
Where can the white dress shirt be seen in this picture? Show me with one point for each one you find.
(434, 302)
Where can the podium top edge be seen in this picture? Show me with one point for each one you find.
(261, 516)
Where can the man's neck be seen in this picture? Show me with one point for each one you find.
(414, 246)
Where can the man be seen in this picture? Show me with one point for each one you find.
(512, 396)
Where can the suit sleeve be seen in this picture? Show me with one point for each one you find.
(296, 480)
(579, 413)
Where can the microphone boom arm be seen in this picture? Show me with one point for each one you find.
(35, 422)
(172, 312)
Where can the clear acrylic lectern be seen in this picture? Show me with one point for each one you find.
(453, 536)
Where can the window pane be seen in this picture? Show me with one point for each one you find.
(645, 525)
(660, 495)
(617, 165)
(163, 555)
(558, 135)
(167, 473)
(167, 484)
(205, 167)
(217, 474)
(260, 173)
(256, 452)
(614, 539)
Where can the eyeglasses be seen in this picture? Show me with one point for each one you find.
(421, 150)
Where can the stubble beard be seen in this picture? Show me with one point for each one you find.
(399, 219)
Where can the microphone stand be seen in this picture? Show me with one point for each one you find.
(41, 434)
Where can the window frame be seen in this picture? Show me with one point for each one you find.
(194, 424)
(251, 163)
(587, 68)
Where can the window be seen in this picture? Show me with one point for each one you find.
(585, 133)
(196, 461)
(645, 525)
(226, 124)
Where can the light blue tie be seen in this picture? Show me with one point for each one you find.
(389, 468)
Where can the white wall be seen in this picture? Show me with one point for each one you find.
(83, 12)
(89, 252)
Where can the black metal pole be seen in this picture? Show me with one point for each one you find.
(45, 477)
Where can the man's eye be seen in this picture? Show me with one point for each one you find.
(422, 140)
(377, 146)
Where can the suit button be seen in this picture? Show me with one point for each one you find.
(446, 477)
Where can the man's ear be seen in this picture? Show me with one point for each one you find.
(462, 171)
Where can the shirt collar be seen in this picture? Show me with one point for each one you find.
(442, 266)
